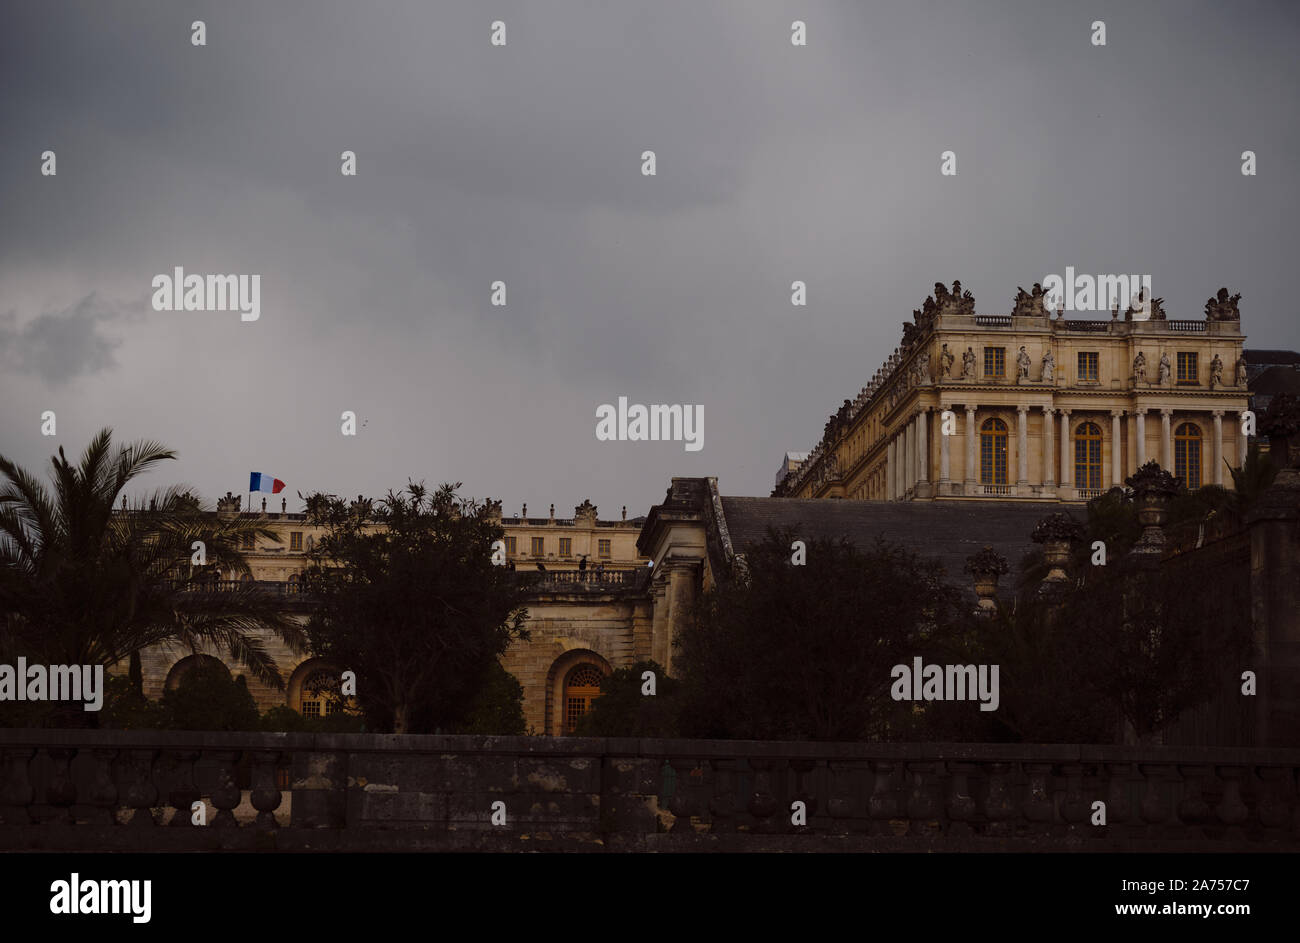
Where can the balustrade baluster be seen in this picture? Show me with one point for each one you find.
(225, 794)
(61, 792)
(183, 791)
(266, 790)
(141, 793)
(1275, 802)
(845, 777)
(804, 773)
(16, 795)
(922, 799)
(102, 795)
(999, 808)
(1231, 810)
(882, 806)
(1154, 809)
(683, 803)
(1192, 809)
(723, 803)
(1119, 811)
(762, 803)
(959, 804)
(1038, 806)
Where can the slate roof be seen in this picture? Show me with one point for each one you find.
(1276, 380)
(947, 530)
(1254, 357)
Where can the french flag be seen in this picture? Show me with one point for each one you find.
(259, 482)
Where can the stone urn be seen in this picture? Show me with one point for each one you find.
(985, 567)
(1153, 488)
(1056, 533)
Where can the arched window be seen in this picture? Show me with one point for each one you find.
(191, 663)
(1187, 455)
(319, 693)
(293, 582)
(581, 687)
(993, 452)
(1087, 456)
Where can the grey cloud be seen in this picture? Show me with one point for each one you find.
(59, 346)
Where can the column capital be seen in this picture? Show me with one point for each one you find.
(1065, 412)
(1047, 410)
(1217, 413)
(1141, 411)
(1166, 412)
(1116, 413)
(1022, 408)
(970, 409)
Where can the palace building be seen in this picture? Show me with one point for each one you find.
(1027, 406)
(576, 618)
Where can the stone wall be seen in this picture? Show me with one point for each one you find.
(69, 790)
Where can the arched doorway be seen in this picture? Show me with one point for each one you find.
(581, 688)
(572, 683)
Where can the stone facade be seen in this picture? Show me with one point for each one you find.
(602, 619)
(1036, 386)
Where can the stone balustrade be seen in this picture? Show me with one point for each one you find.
(113, 790)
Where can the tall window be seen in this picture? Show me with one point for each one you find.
(993, 452)
(295, 540)
(511, 545)
(566, 546)
(1087, 456)
(581, 687)
(1187, 454)
(602, 549)
(1187, 369)
(995, 361)
(1087, 365)
(247, 541)
(537, 546)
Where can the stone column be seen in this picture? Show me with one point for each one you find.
(1141, 438)
(1067, 466)
(891, 470)
(922, 447)
(909, 457)
(943, 456)
(1022, 448)
(681, 582)
(1116, 450)
(1049, 448)
(970, 450)
(1218, 447)
(1166, 444)
(1243, 445)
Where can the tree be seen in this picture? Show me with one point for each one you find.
(806, 652)
(409, 600)
(1252, 478)
(623, 710)
(207, 698)
(84, 583)
(497, 709)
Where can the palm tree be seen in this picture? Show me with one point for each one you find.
(1252, 478)
(83, 583)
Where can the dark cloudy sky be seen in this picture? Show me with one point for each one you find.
(522, 163)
